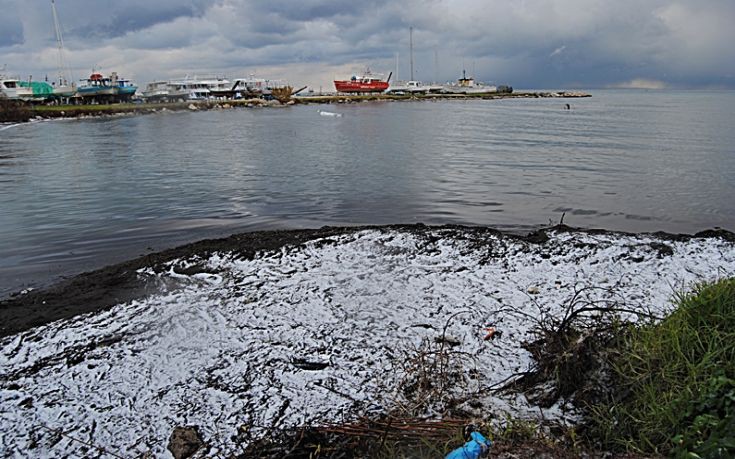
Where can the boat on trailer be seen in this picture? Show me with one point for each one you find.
(96, 85)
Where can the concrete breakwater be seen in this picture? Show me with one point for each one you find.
(21, 113)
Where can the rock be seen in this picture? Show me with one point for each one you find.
(291, 102)
(184, 442)
(533, 290)
(307, 365)
(193, 107)
(227, 106)
(448, 340)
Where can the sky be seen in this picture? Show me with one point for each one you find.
(531, 44)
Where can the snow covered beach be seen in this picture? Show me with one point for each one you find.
(312, 331)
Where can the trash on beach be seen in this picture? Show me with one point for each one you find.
(492, 333)
(332, 114)
(477, 446)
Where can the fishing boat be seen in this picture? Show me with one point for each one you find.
(12, 89)
(124, 89)
(112, 88)
(96, 85)
(468, 85)
(368, 82)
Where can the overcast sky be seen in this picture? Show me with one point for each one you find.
(524, 43)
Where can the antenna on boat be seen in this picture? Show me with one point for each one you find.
(410, 40)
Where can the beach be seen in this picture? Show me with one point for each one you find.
(269, 330)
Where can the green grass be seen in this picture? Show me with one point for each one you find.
(674, 381)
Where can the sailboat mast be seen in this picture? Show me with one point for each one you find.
(396, 72)
(60, 45)
(410, 39)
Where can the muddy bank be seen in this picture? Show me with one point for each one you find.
(119, 283)
(102, 288)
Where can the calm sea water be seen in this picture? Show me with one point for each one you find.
(79, 194)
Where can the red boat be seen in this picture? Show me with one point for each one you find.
(365, 83)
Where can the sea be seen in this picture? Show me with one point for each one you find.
(77, 195)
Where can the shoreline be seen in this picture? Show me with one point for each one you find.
(35, 112)
(100, 289)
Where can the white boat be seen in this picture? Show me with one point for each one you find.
(413, 87)
(11, 89)
(467, 85)
(188, 89)
(157, 90)
(197, 88)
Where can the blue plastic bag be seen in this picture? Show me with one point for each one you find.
(476, 447)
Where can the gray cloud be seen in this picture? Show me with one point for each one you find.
(108, 19)
(531, 43)
(11, 29)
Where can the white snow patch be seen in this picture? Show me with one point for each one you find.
(219, 350)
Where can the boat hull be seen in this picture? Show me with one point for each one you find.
(127, 90)
(65, 91)
(358, 86)
(96, 91)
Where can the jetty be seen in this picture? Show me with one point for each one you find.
(14, 111)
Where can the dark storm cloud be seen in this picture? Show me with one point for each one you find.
(528, 43)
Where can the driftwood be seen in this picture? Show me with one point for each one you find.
(282, 95)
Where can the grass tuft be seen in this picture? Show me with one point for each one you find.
(674, 381)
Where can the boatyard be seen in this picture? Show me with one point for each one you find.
(21, 112)
(99, 94)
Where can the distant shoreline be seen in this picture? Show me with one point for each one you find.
(21, 114)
